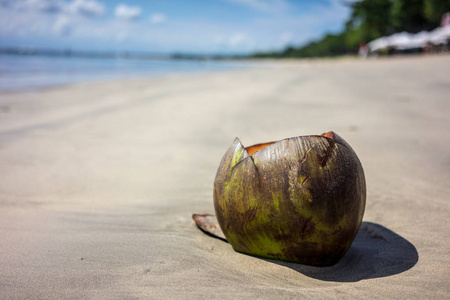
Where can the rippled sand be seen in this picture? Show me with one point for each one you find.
(99, 181)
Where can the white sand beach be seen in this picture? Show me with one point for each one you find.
(99, 181)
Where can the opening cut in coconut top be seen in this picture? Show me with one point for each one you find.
(255, 148)
(329, 134)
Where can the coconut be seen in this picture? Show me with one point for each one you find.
(300, 199)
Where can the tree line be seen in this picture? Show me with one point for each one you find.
(371, 19)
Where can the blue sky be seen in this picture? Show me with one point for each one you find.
(167, 26)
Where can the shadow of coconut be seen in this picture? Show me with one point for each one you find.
(376, 252)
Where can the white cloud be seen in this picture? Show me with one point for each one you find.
(43, 22)
(52, 23)
(158, 18)
(47, 6)
(127, 12)
(88, 8)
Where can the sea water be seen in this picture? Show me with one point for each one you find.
(29, 72)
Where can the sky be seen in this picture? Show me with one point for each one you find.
(168, 26)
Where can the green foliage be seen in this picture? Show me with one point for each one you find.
(371, 19)
(354, 37)
(434, 9)
(330, 45)
(408, 15)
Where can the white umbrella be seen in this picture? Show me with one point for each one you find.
(420, 40)
(440, 35)
(400, 41)
(405, 40)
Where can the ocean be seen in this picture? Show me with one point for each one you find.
(30, 72)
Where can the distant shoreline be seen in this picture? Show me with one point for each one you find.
(33, 71)
(117, 54)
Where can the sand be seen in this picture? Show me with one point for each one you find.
(99, 181)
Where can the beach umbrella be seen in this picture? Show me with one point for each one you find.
(419, 40)
(400, 41)
(440, 35)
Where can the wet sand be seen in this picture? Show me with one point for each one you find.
(99, 181)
